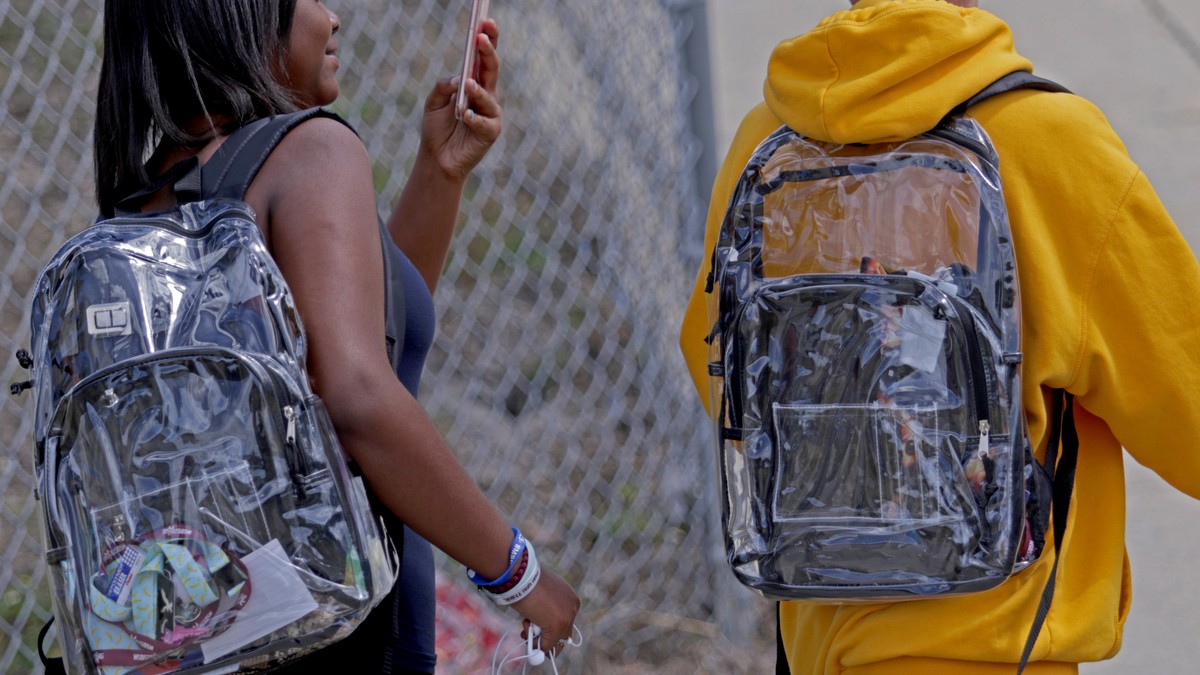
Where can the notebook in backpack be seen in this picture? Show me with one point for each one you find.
(198, 511)
(865, 370)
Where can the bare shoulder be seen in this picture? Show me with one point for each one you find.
(319, 170)
(318, 146)
(330, 137)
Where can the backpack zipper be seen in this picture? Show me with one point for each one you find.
(164, 221)
(978, 373)
(295, 458)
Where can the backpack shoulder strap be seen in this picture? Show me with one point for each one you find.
(234, 165)
(1062, 428)
(1020, 79)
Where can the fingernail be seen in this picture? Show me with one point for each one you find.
(471, 115)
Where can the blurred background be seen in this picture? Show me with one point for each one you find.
(556, 375)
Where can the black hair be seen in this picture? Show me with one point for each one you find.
(166, 62)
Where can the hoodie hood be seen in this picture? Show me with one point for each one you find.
(887, 70)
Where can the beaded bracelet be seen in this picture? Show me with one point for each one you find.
(531, 574)
(514, 557)
(515, 578)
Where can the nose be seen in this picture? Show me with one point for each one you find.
(334, 20)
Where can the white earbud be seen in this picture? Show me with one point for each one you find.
(535, 656)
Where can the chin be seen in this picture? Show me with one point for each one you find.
(329, 93)
(317, 98)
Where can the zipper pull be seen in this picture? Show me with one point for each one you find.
(985, 430)
(289, 413)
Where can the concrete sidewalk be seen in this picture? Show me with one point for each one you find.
(1139, 61)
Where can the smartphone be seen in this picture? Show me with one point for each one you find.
(479, 12)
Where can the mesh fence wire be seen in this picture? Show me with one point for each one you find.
(555, 375)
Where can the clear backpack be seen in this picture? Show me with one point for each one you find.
(865, 370)
(198, 511)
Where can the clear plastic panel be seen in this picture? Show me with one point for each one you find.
(898, 477)
(829, 224)
(894, 466)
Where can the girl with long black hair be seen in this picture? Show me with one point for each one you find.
(178, 77)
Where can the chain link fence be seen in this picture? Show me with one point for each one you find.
(555, 375)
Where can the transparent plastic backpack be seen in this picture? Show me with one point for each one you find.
(865, 372)
(198, 511)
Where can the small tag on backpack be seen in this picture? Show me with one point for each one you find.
(921, 337)
(109, 319)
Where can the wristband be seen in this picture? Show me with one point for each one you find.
(514, 556)
(513, 580)
(533, 573)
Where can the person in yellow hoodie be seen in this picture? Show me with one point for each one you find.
(1109, 288)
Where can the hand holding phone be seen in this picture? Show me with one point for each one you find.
(479, 12)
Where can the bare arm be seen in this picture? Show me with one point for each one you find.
(426, 213)
(322, 225)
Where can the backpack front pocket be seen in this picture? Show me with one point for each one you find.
(213, 452)
(859, 402)
(867, 464)
(871, 496)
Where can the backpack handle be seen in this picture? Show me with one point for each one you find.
(184, 176)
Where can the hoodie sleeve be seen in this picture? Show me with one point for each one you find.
(757, 125)
(1109, 286)
(1139, 365)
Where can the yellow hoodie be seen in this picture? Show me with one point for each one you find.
(1109, 291)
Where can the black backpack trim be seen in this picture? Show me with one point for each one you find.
(228, 174)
